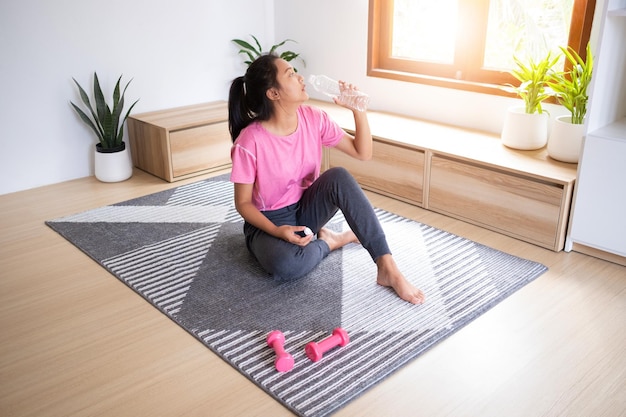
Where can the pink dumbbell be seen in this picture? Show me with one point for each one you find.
(315, 351)
(284, 361)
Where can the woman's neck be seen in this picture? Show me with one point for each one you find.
(283, 122)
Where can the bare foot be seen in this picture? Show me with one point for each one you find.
(390, 276)
(337, 240)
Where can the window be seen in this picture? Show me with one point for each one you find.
(470, 44)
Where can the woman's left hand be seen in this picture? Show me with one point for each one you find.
(344, 86)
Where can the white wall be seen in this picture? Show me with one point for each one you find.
(178, 53)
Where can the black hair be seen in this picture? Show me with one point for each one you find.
(247, 99)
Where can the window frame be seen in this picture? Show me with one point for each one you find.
(381, 64)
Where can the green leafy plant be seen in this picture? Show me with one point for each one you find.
(570, 86)
(533, 77)
(105, 120)
(252, 52)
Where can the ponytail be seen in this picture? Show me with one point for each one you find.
(238, 115)
(247, 99)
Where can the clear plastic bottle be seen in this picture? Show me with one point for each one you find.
(351, 98)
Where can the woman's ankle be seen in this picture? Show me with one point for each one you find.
(336, 240)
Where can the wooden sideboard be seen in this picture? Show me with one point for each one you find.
(464, 174)
(181, 142)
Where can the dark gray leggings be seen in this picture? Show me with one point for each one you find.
(334, 190)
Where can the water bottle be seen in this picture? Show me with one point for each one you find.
(351, 98)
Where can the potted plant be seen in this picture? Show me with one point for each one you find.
(527, 127)
(254, 51)
(112, 161)
(570, 88)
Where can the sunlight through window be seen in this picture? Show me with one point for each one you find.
(525, 29)
(425, 30)
(470, 44)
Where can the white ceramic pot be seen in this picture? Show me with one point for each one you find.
(524, 131)
(565, 140)
(113, 165)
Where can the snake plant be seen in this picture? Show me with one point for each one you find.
(252, 52)
(105, 121)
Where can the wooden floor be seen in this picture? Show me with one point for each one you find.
(75, 341)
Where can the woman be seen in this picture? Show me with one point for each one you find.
(279, 191)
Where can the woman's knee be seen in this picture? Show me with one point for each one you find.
(342, 180)
(339, 174)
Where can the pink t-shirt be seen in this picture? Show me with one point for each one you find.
(282, 167)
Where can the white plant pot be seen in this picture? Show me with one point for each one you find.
(565, 140)
(113, 166)
(524, 131)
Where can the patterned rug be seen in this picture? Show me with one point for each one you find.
(183, 251)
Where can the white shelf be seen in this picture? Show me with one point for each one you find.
(616, 7)
(597, 222)
(603, 224)
(615, 131)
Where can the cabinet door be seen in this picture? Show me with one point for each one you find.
(599, 219)
(393, 170)
(200, 148)
(504, 202)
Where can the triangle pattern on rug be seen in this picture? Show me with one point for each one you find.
(235, 292)
(163, 272)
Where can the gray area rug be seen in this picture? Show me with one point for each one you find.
(183, 250)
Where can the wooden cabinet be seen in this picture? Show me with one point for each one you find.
(178, 143)
(403, 169)
(464, 174)
(519, 206)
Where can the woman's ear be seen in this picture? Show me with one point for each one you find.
(272, 94)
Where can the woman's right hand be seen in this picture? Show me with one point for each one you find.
(247, 210)
(292, 235)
